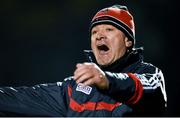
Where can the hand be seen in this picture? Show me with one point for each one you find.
(90, 74)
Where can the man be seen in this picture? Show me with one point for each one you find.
(114, 82)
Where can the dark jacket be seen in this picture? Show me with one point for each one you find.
(136, 89)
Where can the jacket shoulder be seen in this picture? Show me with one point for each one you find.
(144, 67)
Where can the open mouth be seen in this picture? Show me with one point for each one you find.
(103, 47)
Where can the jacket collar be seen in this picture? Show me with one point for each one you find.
(121, 64)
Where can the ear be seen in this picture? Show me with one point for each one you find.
(128, 43)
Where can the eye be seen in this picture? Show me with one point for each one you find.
(93, 32)
(109, 29)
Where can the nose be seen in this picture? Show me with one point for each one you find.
(100, 36)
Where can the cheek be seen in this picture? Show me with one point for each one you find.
(93, 45)
(118, 47)
(117, 44)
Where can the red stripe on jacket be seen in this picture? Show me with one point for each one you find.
(92, 106)
(138, 90)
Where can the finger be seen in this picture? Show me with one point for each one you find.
(84, 78)
(88, 82)
(81, 69)
(79, 72)
(78, 65)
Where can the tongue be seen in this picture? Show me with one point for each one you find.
(102, 52)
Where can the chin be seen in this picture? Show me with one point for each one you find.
(103, 63)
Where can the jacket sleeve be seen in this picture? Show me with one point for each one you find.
(145, 84)
(39, 100)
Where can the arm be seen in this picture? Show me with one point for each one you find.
(39, 100)
(133, 86)
(143, 89)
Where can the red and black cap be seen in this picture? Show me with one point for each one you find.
(118, 16)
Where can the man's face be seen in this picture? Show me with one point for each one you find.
(108, 43)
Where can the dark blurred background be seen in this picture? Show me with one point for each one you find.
(42, 40)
